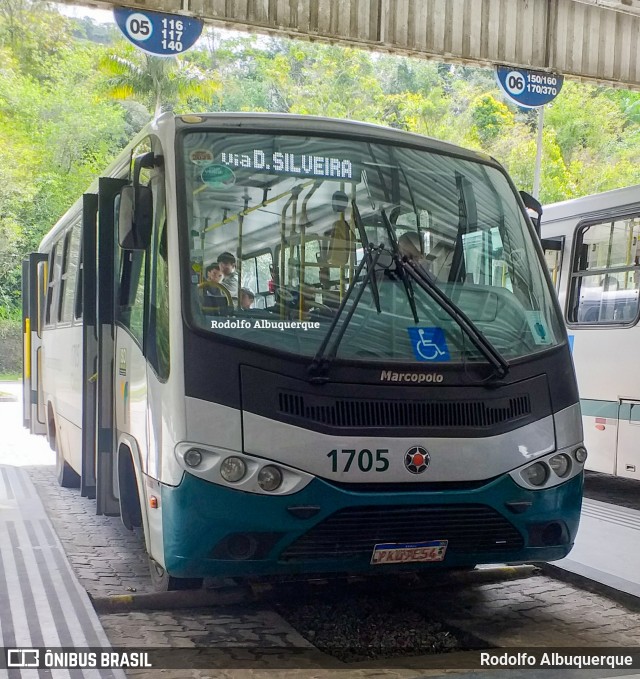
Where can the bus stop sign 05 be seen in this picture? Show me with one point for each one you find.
(529, 88)
(162, 35)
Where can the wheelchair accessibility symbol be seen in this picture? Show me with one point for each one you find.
(429, 344)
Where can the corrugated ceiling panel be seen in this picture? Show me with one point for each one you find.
(575, 37)
(593, 42)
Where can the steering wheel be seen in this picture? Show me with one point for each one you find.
(209, 285)
(285, 295)
(321, 310)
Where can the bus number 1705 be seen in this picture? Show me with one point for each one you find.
(365, 460)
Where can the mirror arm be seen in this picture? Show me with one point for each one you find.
(532, 203)
(146, 160)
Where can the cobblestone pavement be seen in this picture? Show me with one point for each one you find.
(534, 611)
(107, 558)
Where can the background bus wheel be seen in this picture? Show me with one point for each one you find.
(163, 582)
(67, 477)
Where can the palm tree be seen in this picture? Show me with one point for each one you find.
(159, 82)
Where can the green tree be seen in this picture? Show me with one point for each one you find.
(158, 82)
(491, 118)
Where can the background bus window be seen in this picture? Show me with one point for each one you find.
(553, 249)
(484, 259)
(606, 273)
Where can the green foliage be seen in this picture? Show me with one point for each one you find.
(11, 343)
(72, 94)
(491, 118)
(157, 82)
(56, 133)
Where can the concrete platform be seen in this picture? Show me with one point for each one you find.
(607, 548)
(41, 601)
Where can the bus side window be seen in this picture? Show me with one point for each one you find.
(157, 335)
(54, 277)
(130, 304)
(63, 273)
(605, 275)
(78, 305)
(131, 298)
(70, 269)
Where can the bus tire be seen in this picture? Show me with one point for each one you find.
(163, 582)
(129, 497)
(66, 475)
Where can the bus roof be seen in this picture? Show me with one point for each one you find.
(322, 125)
(595, 204)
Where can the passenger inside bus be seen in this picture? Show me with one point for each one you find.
(247, 298)
(227, 264)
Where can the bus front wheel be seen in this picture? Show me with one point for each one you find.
(163, 582)
(65, 474)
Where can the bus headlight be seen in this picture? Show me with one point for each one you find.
(270, 478)
(561, 464)
(536, 474)
(233, 469)
(580, 454)
(193, 457)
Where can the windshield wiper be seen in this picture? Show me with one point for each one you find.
(400, 270)
(319, 366)
(419, 275)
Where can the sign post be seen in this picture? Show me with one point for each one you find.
(156, 33)
(530, 89)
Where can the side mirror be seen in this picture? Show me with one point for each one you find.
(134, 208)
(532, 204)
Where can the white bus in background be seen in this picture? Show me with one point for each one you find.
(592, 249)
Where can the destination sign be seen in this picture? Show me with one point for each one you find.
(302, 164)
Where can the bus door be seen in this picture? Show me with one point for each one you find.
(33, 286)
(628, 445)
(88, 288)
(26, 347)
(99, 443)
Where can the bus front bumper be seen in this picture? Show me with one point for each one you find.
(212, 530)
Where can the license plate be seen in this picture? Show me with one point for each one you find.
(412, 552)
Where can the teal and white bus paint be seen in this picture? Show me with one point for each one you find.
(382, 381)
(593, 254)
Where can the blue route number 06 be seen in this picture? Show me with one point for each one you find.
(529, 88)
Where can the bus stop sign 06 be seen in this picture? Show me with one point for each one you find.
(162, 35)
(529, 88)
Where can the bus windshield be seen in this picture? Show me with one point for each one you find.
(278, 226)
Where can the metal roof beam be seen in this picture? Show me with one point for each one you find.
(592, 40)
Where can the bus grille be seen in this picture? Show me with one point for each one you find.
(352, 532)
(386, 413)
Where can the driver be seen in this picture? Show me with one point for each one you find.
(213, 274)
(410, 247)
